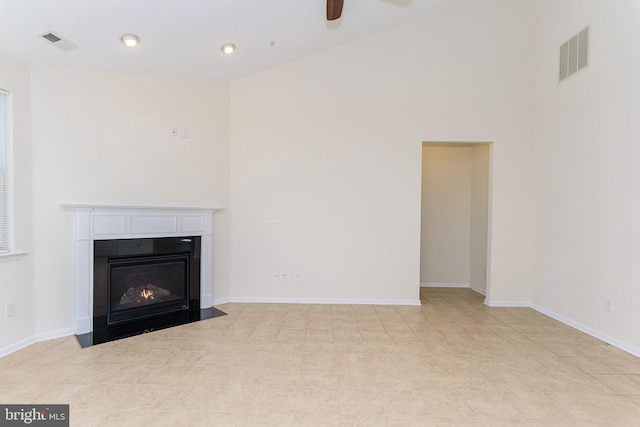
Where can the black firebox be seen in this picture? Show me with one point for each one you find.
(141, 285)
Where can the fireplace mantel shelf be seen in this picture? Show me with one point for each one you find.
(141, 207)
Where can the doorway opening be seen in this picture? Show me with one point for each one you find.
(455, 215)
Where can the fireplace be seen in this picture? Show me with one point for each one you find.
(141, 268)
(140, 285)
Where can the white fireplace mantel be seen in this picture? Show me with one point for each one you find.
(106, 222)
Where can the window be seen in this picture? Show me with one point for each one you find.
(4, 172)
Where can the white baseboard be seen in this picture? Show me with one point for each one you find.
(324, 301)
(12, 348)
(443, 285)
(453, 286)
(60, 333)
(631, 349)
(221, 301)
(589, 331)
(518, 304)
(478, 290)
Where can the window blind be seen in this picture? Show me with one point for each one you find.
(4, 175)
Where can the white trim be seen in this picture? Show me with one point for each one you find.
(12, 256)
(47, 336)
(52, 335)
(142, 207)
(507, 304)
(323, 301)
(443, 285)
(631, 349)
(589, 331)
(478, 290)
(453, 286)
(12, 348)
(221, 301)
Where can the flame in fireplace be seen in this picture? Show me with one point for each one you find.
(147, 294)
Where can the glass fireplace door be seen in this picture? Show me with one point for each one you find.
(145, 286)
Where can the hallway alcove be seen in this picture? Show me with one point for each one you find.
(455, 215)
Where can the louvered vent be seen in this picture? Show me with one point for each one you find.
(51, 37)
(574, 55)
(58, 41)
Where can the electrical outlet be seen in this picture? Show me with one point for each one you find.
(174, 131)
(10, 309)
(276, 276)
(267, 218)
(608, 305)
(284, 276)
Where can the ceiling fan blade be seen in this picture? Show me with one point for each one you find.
(334, 9)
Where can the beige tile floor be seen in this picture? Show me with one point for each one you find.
(451, 362)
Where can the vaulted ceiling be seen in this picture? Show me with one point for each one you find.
(184, 37)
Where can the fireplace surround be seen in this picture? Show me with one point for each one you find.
(132, 241)
(144, 284)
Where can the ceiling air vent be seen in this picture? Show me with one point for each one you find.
(51, 37)
(574, 55)
(58, 41)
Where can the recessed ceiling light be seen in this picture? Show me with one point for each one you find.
(228, 48)
(130, 40)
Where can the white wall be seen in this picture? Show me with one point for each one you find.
(333, 143)
(105, 138)
(589, 135)
(446, 215)
(480, 194)
(16, 279)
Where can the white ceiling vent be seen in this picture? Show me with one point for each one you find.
(58, 41)
(574, 54)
